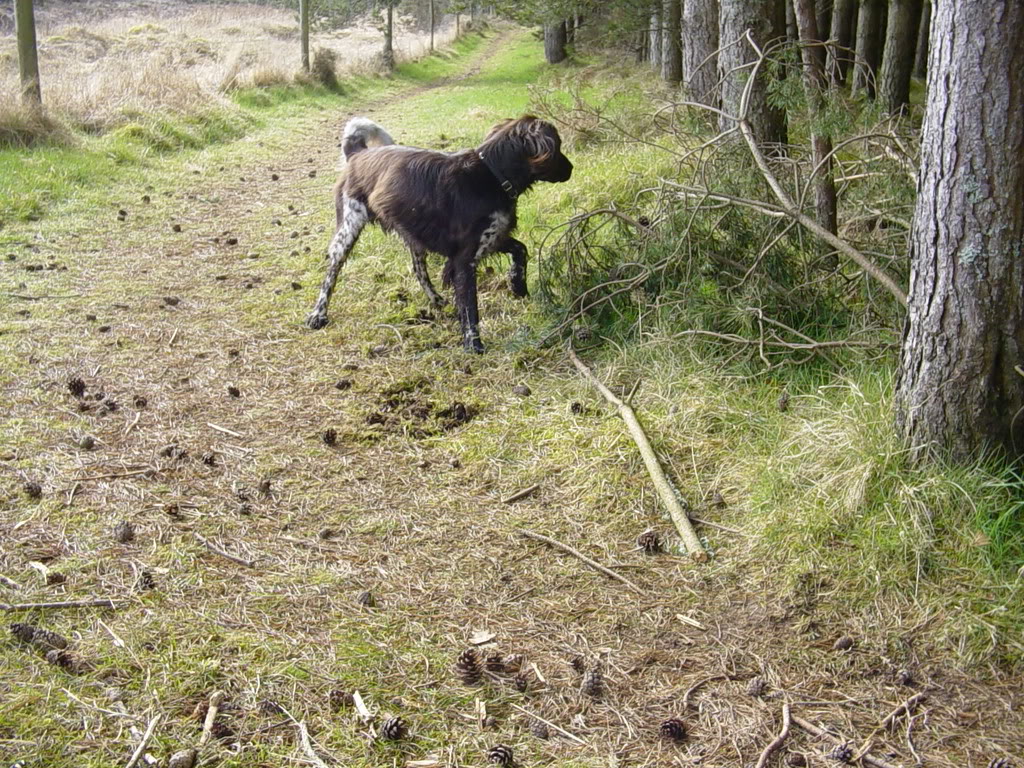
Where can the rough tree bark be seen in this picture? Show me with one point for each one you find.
(554, 42)
(432, 25)
(792, 33)
(28, 57)
(844, 22)
(898, 56)
(870, 33)
(671, 51)
(766, 21)
(823, 10)
(815, 82)
(923, 29)
(304, 33)
(960, 391)
(700, 44)
(655, 47)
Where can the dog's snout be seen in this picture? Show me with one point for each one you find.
(565, 172)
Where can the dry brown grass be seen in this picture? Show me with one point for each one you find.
(103, 59)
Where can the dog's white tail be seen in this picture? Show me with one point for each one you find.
(360, 133)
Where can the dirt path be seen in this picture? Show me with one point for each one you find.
(361, 471)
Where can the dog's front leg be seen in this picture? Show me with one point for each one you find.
(517, 272)
(354, 218)
(464, 279)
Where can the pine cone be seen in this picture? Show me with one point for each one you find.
(186, 758)
(756, 687)
(33, 490)
(650, 542)
(23, 632)
(270, 707)
(841, 753)
(578, 664)
(339, 699)
(844, 643)
(673, 729)
(796, 760)
(64, 660)
(495, 662)
(1000, 762)
(393, 729)
(45, 640)
(330, 436)
(539, 729)
(124, 532)
(500, 754)
(513, 663)
(593, 683)
(467, 667)
(783, 401)
(366, 599)
(146, 582)
(76, 386)
(521, 683)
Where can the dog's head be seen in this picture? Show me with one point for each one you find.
(527, 150)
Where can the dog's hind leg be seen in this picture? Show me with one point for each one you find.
(463, 275)
(517, 272)
(354, 217)
(419, 268)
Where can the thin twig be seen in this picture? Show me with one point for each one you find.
(549, 724)
(583, 558)
(144, 743)
(698, 684)
(225, 430)
(763, 760)
(100, 603)
(147, 470)
(906, 706)
(222, 553)
(9, 583)
(211, 714)
(668, 495)
(521, 494)
(821, 733)
(25, 297)
(307, 744)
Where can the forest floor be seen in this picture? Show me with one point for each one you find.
(372, 559)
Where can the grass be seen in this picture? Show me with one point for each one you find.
(824, 531)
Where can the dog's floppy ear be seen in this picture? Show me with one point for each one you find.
(540, 139)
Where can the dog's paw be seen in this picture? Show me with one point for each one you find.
(438, 302)
(519, 288)
(316, 320)
(475, 346)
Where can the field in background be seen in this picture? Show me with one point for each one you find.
(105, 62)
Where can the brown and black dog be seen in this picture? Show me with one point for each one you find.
(461, 205)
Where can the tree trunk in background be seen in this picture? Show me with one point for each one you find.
(28, 56)
(554, 42)
(700, 43)
(432, 25)
(388, 53)
(655, 48)
(815, 83)
(304, 33)
(958, 393)
(766, 21)
(671, 51)
(921, 56)
(570, 32)
(823, 10)
(792, 33)
(840, 56)
(642, 41)
(870, 33)
(898, 56)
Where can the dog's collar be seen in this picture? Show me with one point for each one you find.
(506, 185)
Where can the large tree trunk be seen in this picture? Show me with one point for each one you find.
(815, 82)
(898, 57)
(304, 33)
(766, 21)
(655, 49)
(844, 22)
(923, 29)
(28, 57)
(432, 25)
(700, 44)
(870, 33)
(958, 392)
(554, 42)
(792, 33)
(823, 10)
(671, 52)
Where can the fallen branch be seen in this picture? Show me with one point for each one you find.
(906, 706)
(113, 476)
(763, 760)
(823, 734)
(222, 553)
(698, 684)
(549, 724)
(583, 558)
(26, 297)
(9, 583)
(100, 603)
(144, 743)
(661, 483)
(307, 745)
